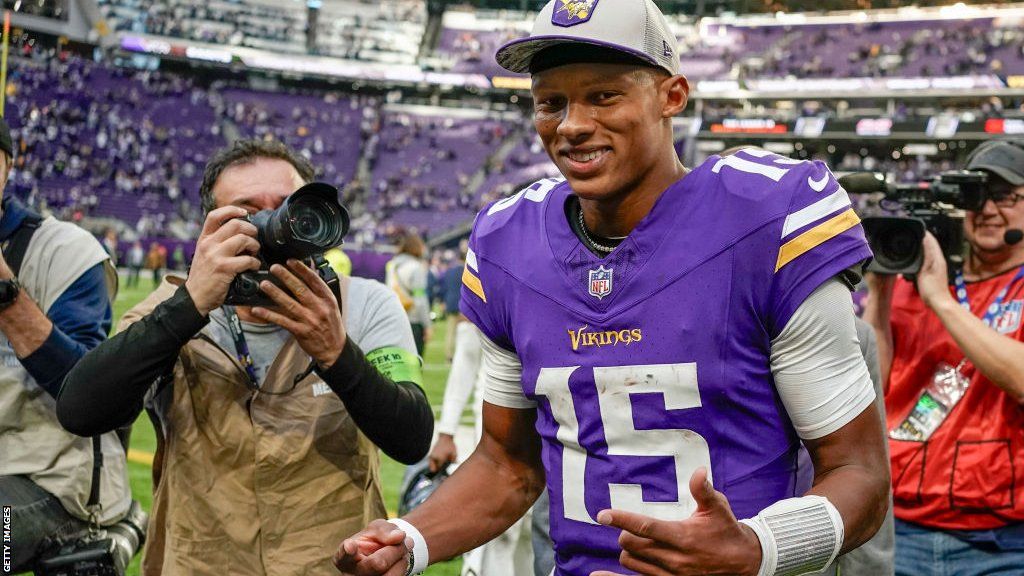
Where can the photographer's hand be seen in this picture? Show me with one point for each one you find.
(933, 279)
(226, 247)
(310, 312)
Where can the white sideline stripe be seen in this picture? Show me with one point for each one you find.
(471, 260)
(816, 211)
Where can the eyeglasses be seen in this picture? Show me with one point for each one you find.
(1001, 197)
(1004, 198)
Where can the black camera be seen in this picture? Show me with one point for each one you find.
(935, 206)
(104, 552)
(308, 223)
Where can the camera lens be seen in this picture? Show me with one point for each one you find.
(895, 242)
(312, 222)
(898, 247)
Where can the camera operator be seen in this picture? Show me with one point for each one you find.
(954, 357)
(56, 285)
(267, 453)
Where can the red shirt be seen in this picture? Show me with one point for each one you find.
(970, 474)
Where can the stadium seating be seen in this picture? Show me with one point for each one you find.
(423, 166)
(101, 141)
(382, 31)
(526, 163)
(324, 128)
(905, 48)
(95, 140)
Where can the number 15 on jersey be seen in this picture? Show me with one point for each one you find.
(677, 383)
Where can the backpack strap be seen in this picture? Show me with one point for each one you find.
(14, 254)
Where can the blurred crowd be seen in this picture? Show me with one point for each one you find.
(354, 29)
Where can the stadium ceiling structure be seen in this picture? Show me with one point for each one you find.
(717, 7)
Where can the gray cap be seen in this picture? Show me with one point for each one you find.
(635, 27)
(1002, 158)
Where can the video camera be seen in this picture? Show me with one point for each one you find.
(935, 206)
(104, 552)
(308, 223)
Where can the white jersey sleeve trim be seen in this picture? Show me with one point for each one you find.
(828, 205)
(818, 366)
(503, 377)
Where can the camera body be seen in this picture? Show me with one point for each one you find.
(106, 552)
(308, 223)
(936, 207)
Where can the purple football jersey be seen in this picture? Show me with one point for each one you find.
(654, 361)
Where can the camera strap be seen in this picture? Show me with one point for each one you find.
(993, 309)
(241, 347)
(17, 245)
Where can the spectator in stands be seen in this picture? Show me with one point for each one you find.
(56, 287)
(266, 434)
(954, 358)
(406, 274)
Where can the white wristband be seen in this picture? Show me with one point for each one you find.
(419, 545)
(798, 536)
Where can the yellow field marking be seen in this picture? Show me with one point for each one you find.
(140, 457)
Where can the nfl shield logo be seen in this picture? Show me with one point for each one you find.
(572, 12)
(600, 282)
(1009, 318)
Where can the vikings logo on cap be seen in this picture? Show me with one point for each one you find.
(573, 12)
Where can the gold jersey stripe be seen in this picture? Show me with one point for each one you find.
(473, 283)
(822, 232)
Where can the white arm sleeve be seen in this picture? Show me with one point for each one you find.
(503, 377)
(818, 366)
(461, 377)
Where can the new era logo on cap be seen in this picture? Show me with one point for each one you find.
(633, 27)
(572, 12)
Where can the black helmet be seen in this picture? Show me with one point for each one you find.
(420, 485)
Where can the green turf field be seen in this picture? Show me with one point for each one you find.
(143, 441)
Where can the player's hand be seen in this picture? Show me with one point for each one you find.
(443, 453)
(933, 279)
(226, 247)
(381, 549)
(308, 310)
(710, 541)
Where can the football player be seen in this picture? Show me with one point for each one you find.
(658, 341)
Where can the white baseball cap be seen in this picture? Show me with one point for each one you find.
(634, 27)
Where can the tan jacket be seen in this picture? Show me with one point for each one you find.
(253, 483)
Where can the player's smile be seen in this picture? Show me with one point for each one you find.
(582, 162)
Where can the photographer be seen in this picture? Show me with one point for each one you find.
(955, 363)
(268, 414)
(56, 285)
